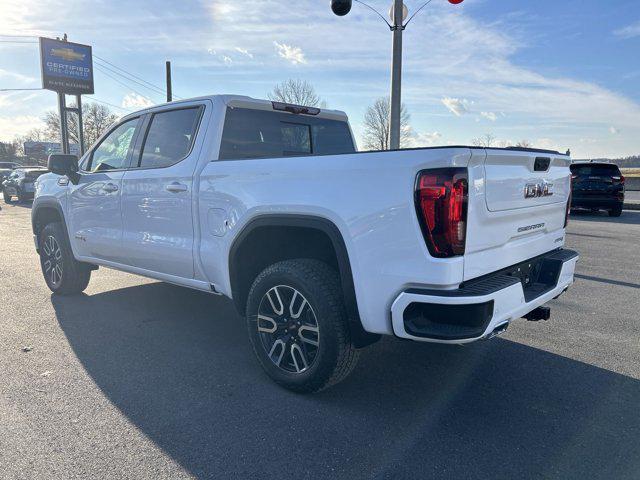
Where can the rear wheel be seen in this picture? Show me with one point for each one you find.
(298, 325)
(615, 212)
(62, 272)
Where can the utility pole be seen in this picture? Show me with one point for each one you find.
(169, 94)
(396, 76)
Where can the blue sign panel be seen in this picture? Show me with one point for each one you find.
(66, 67)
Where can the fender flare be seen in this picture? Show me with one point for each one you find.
(360, 337)
(38, 205)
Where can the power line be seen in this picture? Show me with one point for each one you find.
(104, 72)
(18, 89)
(131, 74)
(106, 68)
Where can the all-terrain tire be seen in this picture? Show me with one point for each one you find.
(62, 272)
(318, 284)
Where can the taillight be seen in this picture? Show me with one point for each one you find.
(441, 203)
(568, 211)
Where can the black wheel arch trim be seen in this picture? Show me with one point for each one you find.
(360, 337)
(38, 205)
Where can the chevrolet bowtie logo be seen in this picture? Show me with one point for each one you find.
(538, 189)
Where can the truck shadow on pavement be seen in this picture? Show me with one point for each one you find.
(177, 363)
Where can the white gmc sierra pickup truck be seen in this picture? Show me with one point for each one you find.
(322, 248)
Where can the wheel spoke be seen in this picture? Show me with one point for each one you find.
(283, 347)
(58, 270)
(277, 310)
(298, 355)
(302, 305)
(314, 339)
(53, 276)
(272, 328)
(47, 266)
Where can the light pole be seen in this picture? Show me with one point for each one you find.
(398, 14)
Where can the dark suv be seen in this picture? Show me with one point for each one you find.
(20, 183)
(597, 186)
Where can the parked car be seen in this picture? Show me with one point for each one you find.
(597, 186)
(5, 170)
(20, 183)
(322, 249)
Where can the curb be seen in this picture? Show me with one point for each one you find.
(631, 206)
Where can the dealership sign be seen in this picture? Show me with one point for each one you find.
(66, 67)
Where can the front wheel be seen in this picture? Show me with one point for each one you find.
(298, 325)
(62, 272)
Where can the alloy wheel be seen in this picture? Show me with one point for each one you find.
(288, 329)
(52, 261)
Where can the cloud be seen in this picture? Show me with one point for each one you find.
(425, 139)
(489, 116)
(135, 101)
(16, 76)
(293, 54)
(457, 106)
(17, 125)
(244, 52)
(613, 130)
(227, 60)
(629, 31)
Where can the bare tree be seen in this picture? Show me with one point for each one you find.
(298, 92)
(524, 144)
(376, 125)
(95, 118)
(487, 140)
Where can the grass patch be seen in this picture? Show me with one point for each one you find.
(630, 172)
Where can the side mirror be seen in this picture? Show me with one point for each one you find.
(62, 164)
(341, 7)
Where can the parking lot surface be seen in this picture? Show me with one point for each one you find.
(140, 379)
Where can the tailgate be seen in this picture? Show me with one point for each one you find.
(517, 207)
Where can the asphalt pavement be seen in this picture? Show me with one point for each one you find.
(140, 379)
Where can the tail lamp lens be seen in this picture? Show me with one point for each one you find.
(441, 203)
(568, 211)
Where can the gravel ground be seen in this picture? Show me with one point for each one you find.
(140, 379)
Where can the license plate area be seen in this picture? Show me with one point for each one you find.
(537, 275)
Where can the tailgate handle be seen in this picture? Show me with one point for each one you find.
(541, 164)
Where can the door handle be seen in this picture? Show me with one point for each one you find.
(176, 187)
(110, 187)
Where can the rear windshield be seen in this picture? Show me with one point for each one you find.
(263, 134)
(595, 170)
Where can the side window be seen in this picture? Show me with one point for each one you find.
(169, 137)
(112, 152)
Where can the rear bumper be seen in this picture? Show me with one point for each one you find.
(481, 307)
(597, 201)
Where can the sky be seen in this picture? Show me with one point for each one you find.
(559, 74)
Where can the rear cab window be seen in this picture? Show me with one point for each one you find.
(595, 170)
(252, 133)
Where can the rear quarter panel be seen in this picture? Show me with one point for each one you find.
(368, 196)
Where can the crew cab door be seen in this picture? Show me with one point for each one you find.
(157, 193)
(94, 203)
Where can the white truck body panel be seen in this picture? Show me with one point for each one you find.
(186, 237)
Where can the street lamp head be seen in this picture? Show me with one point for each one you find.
(341, 7)
(405, 13)
(455, 2)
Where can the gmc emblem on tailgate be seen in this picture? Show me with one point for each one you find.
(539, 189)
